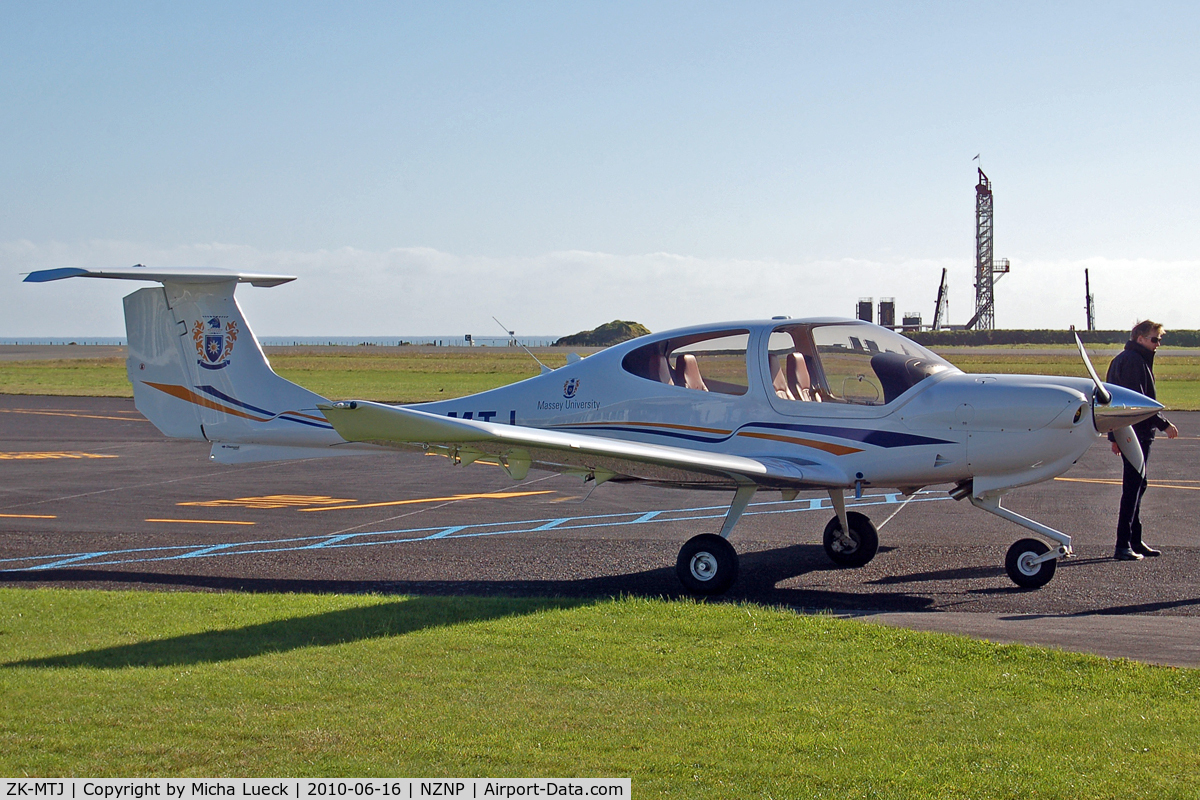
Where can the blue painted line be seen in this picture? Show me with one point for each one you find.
(332, 540)
(66, 559)
(410, 535)
(203, 551)
(442, 534)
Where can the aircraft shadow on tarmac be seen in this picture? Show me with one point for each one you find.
(1130, 609)
(761, 574)
(436, 604)
(957, 574)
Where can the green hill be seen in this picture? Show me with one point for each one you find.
(609, 333)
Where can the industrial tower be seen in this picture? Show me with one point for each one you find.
(986, 269)
(1090, 304)
(941, 308)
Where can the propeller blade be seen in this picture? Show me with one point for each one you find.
(1102, 395)
(1130, 448)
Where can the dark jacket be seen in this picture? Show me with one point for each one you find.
(1133, 368)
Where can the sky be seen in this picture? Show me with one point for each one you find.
(423, 167)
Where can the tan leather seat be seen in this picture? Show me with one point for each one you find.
(778, 381)
(660, 370)
(688, 369)
(798, 380)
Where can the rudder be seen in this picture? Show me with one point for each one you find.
(198, 372)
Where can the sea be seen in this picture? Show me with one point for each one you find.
(328, 341)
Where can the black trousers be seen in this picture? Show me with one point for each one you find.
(1133, 488)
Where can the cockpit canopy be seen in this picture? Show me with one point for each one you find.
(856, 363)
(838, 362)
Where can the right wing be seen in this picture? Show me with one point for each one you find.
(518, 447)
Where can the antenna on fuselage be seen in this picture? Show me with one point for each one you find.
(513, 340)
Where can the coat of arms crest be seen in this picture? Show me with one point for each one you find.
(214, 343)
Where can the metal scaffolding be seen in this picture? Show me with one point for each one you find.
(986, 268)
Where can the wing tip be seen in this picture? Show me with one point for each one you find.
(57, 274)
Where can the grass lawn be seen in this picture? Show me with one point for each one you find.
(689, 699)
(424, 376)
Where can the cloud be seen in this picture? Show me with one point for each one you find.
(418, 291)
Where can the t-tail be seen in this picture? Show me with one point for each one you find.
(198, 372)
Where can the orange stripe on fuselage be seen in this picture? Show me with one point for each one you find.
(188, 395)
(719, 431)
(835, 449)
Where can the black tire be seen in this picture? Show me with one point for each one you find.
(1021, 572)
(707, 565)
(864, 542)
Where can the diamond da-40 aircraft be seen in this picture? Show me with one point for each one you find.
(785, 405)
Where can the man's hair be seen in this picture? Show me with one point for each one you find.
(1144, 328)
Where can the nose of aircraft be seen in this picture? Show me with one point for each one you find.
(1125, 408)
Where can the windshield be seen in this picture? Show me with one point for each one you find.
(871, 365)
(847, 363)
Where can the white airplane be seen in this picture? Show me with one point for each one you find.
(826, 404)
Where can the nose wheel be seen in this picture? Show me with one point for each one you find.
(1026, 566)
(707, 565)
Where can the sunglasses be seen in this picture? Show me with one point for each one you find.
(1156, 339)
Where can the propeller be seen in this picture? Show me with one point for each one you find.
(1131, 448)
(1103, 395)
(1108, 416)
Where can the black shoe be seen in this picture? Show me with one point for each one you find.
(1144, 549)
(1127, 554)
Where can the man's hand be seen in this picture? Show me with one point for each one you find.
(1172, 431)
(1116, 450)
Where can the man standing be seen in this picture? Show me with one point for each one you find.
(1133, 369)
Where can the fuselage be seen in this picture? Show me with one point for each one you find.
(860, 399)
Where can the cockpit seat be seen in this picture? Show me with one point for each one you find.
(778, 381)
(688, 370)
(660, 370)
(799, 382)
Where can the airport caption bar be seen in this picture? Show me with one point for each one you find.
(301, 788)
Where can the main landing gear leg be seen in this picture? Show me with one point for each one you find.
(708, 564)
(1030, 563)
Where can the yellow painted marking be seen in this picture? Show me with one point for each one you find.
(33, 456)
(271, 501)
(1151, 484)
(204, 521)
(494, 496)
(28, 516)
(70, 414)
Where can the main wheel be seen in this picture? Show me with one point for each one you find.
(707, 565)
(858, 548)
(1020, 567)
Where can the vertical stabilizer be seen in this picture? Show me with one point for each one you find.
(198, 371)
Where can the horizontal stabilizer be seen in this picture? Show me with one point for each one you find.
(225, 453)
(162, 274)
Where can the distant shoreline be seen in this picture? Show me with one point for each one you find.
(49, 352)
(302, 341)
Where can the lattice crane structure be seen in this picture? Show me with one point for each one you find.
(987, 269)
